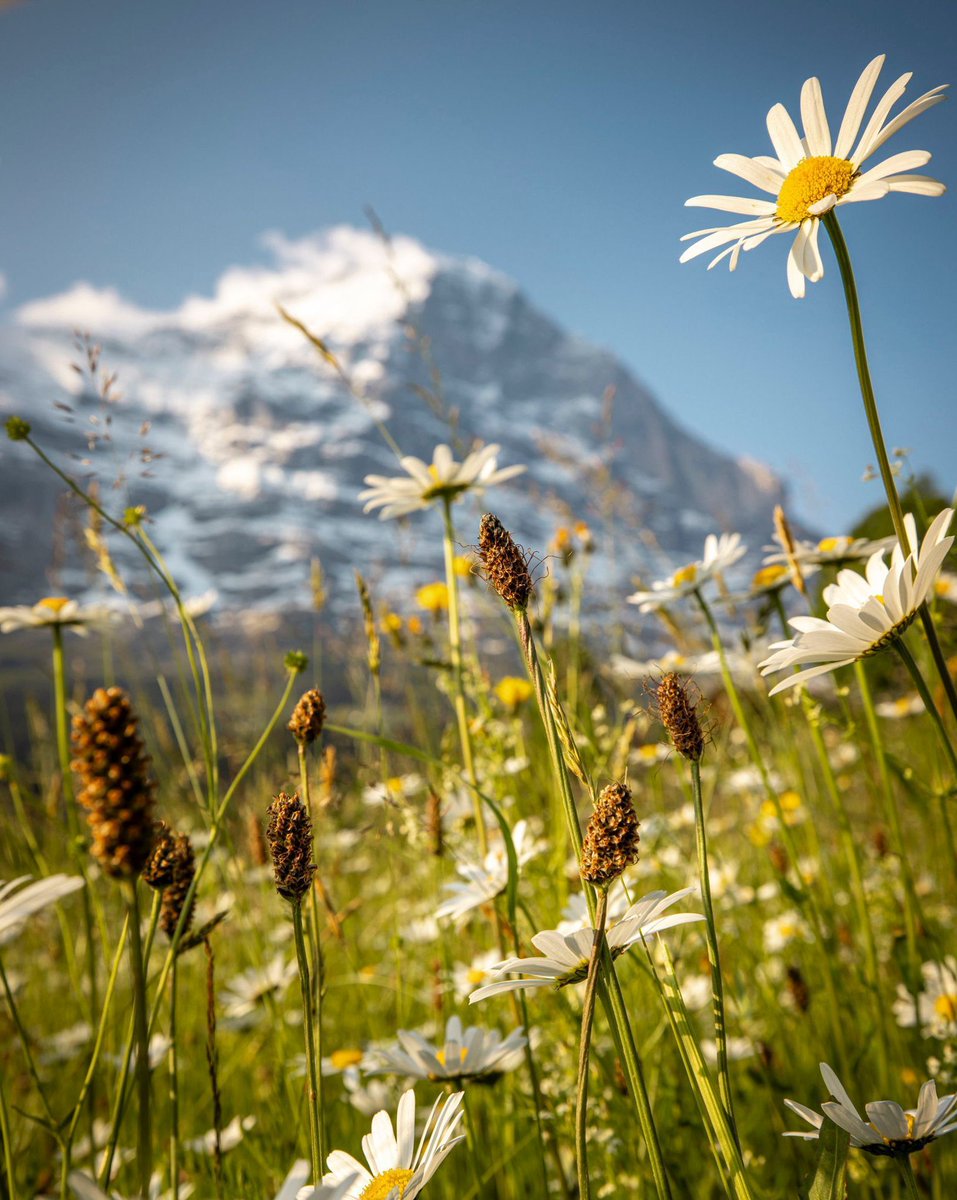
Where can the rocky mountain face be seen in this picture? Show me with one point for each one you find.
(248, 448)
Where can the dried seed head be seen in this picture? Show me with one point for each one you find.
(115, 786)
(782, 528)
(308, 717)
(677, 712)
(158, 872)
(505, 563)
(779, 858)
(611, 839)
(174, 894)
(797, 986)
(290, 840)
(257, 842)
(433, 824)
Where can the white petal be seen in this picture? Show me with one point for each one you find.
(857, 106)
(814, 117)
(735, 204)
(917, 185)
(784, 136)
(906, 115)
(874, 127)
(906, 161)
(751, 170)
(795, 277)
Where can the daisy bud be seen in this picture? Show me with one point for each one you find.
(611, 839)
(308, 717)
(115, 785)
(290, 840)
(506, 565)
(677, 712)
(183, 868)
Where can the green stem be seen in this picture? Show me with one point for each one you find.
(584, 1048)
(27, 1052)
(173, 1089)
(907, 1173)
(924, 692)
(318, 964)
(609, 987)
(6, 1138)
(717, 984)
(458, 672)
(144, 1140)
(309, 1034)
(877, 436)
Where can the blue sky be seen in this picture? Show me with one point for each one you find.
(148, 146)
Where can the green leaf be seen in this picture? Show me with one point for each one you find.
(829, 1181)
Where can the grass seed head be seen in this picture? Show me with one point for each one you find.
(677, 710)
(183, 868)
(505, 563)
(158, 872)
(611, 839)
(290, 841)
(116, 789)
(308, 717)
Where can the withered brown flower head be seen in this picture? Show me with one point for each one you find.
(174, 894)
(115, 786)
(290, 841)
(677, 710)
(611, 839)
(158, 872)
(505, 563)
(308, 717)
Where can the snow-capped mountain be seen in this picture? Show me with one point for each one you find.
(248, 449)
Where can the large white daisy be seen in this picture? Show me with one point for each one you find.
(810, 176)
(53, 610)
(396, 1167)
(721, 551)
(19, 902)
(566, 955)
(890, 1130)
(443, 478)
(467, 1053)
(865, 612)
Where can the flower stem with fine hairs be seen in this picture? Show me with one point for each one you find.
(717, 984)
(584, 1048)
(315, 1145)
(458, 672)
(910, 1183)
(144, 1146)
(877, 436)
(318, 963)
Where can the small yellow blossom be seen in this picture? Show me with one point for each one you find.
(391, 623)
(462, 566)
(513, 691)
(433, 597)
(414, 626)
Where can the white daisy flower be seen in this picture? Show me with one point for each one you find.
(946, 587)
(471, 1053)
(17, 905)
(54, 610)
(443, 478)
(84, 1188)
(396, 1167)
(865, 613)
(720, 552)
(935, 1010)
(781, 931)
(890, 1130)
(466, 977)
(828, 552)
(567, 955)
(904, 706)
(242, 995)
(229, 1137)
(810, 176)
(485, 881)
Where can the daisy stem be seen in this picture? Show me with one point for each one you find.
(609, 987)
(7, 1139)
(877, 436)
(912, 917)
(924, 692)
(806, 893)
(144, 1140)
(309, 1034)
(907, 1171)
(717, 985)
(584, 1048)
(458, 673)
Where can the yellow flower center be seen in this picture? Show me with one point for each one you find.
(382, 1185)
(648, 752)
(831, 545)
(686, 574)
(476, 975)
(768, 576)
(809, 182)
(434, 597)
(341, 1059)
(945, 1006)
(54, 603)
(463, 1055)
